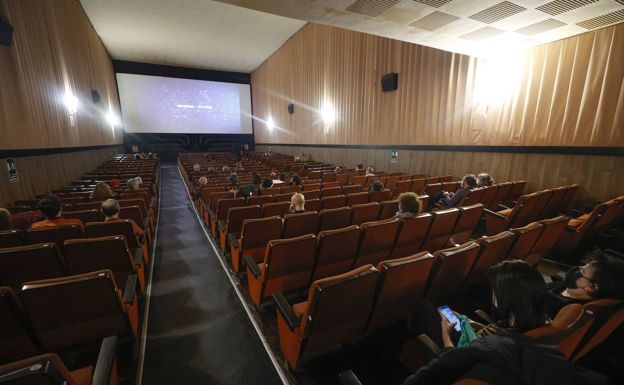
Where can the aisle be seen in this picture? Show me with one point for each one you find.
(198, 331)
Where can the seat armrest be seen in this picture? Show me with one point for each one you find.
(220, 225)
(503, 207)
(138, 256)
(130, 290)
(151, 203)
(492, 213)
(252, 266)
(286, 311)
(430, 344)
(204, 205)
(484, 316)
(213, 215)
(141, 239)
(105, 361)
(349, 378)
(146, 223)
(576, 213)
(233, 240)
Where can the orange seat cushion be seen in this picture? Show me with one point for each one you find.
(575, 223)
(299, 308)
(504, 212)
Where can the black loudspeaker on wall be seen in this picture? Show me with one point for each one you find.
(6, 31)
(390, 82)
(291, 108)
(95, 95)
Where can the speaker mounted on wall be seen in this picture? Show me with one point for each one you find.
(291, 108)
(390, 82)
(95, 95)
(6, 31)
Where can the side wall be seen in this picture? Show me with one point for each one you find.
(55, 51)
(564, 94)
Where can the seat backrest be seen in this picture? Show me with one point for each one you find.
(105, 253)
(441, 229)
(610, 209)
(450, 186)
(417, 186)
(359, 180)
(88, 206)
(12, 238)
(567, 199)
(401, 187)
(27, 263)
(473, 197)
(357, 198)
(411, 235)
(135, 202)
(401, 284)
(133, 213)
(206, 191)
(331, 191)
(377, 241)
(336, 251)
(288, 264)
(351, 189)
(312, 194)
(298, 224)
(424, 200)
(273, 209)
(468, 219)
(366, 212)
(337, 218)
(256, 233)
(516, 190)
(282, 197)
(215, 197)
(493, 250)
(44, 369)
(334, 202)
(380, 196)
(66, 312)
(85, 215)
(451, 267)
(16, 341)
(260, 200)
(552, 230)
(489, 192)
(106, 229)
(270, 191)
(337, 310)
(388, 209)
(523, 212)
(433, 188)
(224, 205)
(501, 195)
(553, 202)
(526, 237)
(236, 216)
(540, 204)
(56, 235)
(290, 189)
(313, 204)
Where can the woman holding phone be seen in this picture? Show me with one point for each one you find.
(505, 356)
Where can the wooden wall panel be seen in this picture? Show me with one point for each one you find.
(600, 177)
(40, 174)
(55, 50)
(567, 93)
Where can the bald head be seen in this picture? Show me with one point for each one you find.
(297, 202)
(110, 208)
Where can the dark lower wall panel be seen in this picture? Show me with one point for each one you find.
(41, 173)
(601, 177)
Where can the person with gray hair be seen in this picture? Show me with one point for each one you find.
(133, 184)
(110, 209)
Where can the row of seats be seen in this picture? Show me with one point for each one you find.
(347, 306)
(529, 208)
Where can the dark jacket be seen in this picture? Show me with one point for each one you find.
(506, 358)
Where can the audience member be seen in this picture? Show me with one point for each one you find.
(370, 171)
(253, 188)
(297, 203)
(201, 183)
(359, 167)
(601, 276)
(409, 205)
(449, 199)
(137, 156)
(102, 190)
(377, 186)
(115, 182)
(150, 155)
(225, 169)
(273, 175)
(133, 184)
(484, 179)
(139, 179)
(110, 209)
(283, 177)
(233, 180)
(5, 219)
(337, 169)
(502, 355)
(50, 206)
(266, 184)
(295, 180)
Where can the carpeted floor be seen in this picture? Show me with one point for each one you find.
(198, 332)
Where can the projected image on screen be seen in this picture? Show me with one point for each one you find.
(171, 105)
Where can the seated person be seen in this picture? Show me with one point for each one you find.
(273, 175)
(337, 169)
(5, 220)
(283, 177)
(52, 209)
(196, 167)
(201, 183)
(484, 179)
(409, 205)
(137, 156)
(102, 190)
(225, 169)
(449, 199)
(133, 184)
(253, 188)
(266, 184)
(504, 355)
(370, 171)
(295, 180)
(601, 276)
(377, 186)
(297, 203)
(110, 210)
(233, 181)
(115, 182)
(359, 167)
